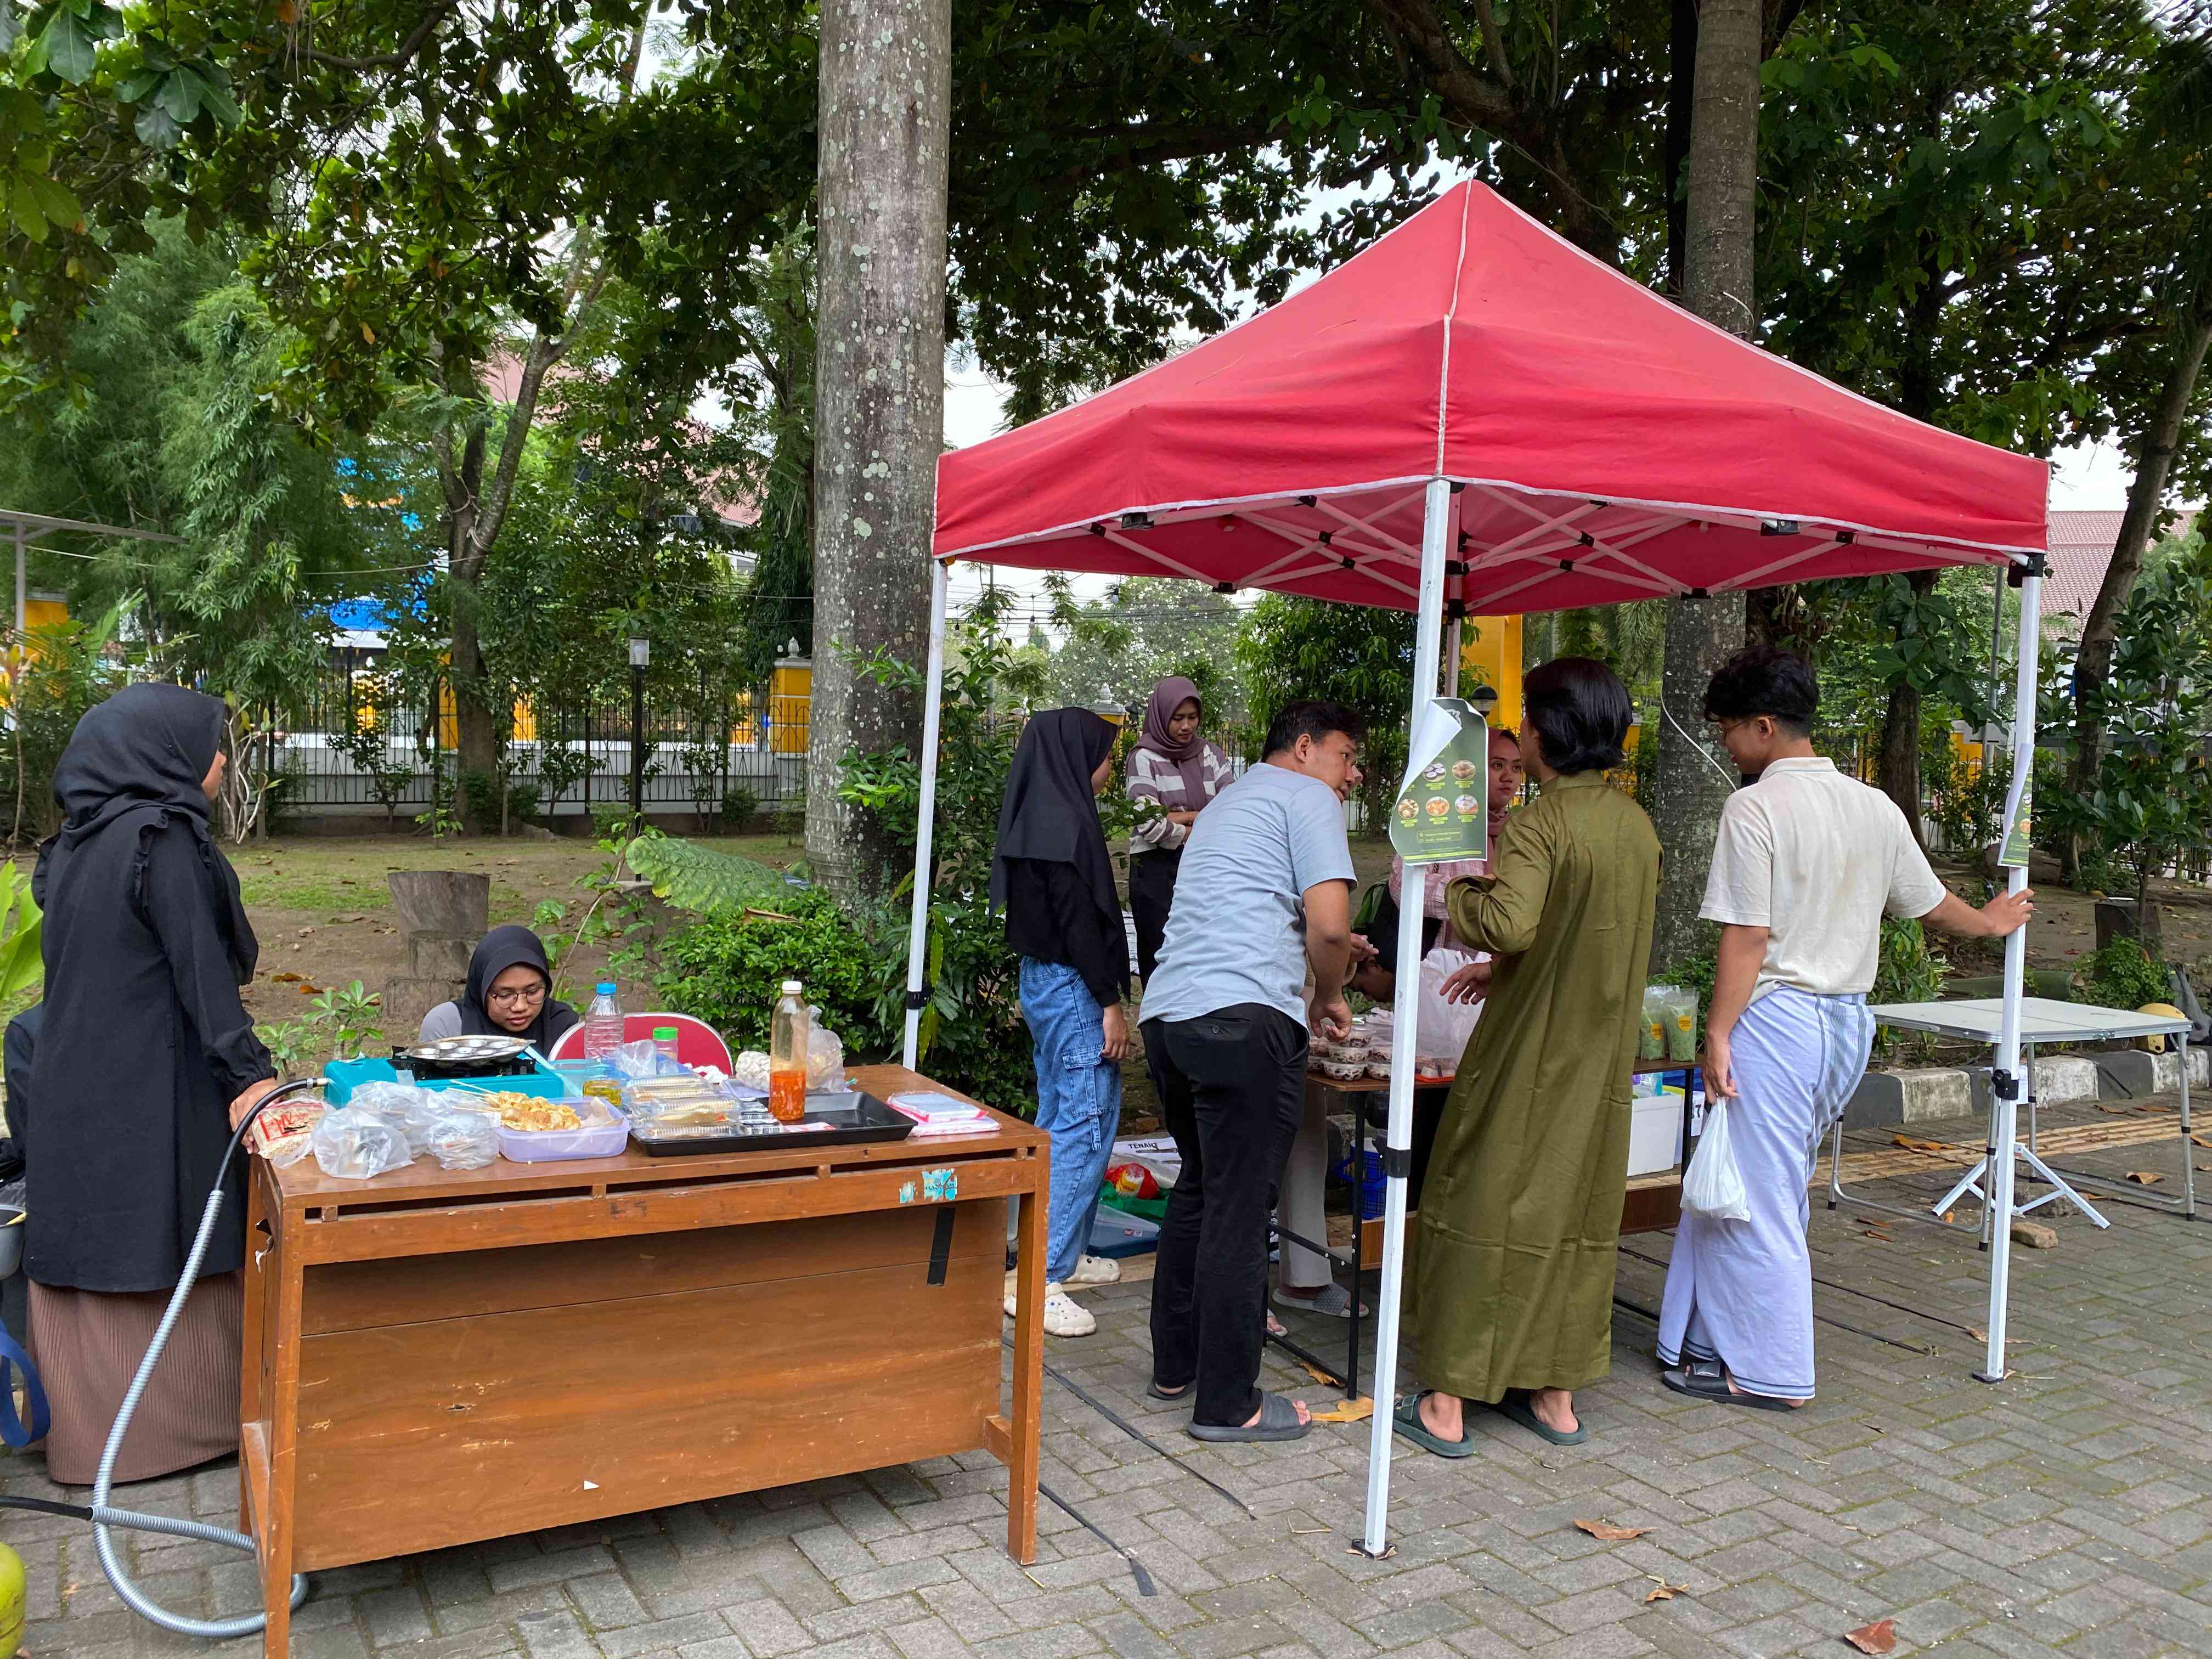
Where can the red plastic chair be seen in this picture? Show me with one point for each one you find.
(698, 1043)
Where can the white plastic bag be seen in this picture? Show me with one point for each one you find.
(1713, 1186)
(1441, 1029)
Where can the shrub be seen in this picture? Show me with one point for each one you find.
(727, 969)
(480, 800)
(2123, 976)
(740, 805)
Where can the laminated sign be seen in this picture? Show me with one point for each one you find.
(2012, 855)
(1443, 809)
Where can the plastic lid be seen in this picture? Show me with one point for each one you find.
(792, 988)
(661, 1031)
(606, 987)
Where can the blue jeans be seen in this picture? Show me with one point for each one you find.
(1078, 1102)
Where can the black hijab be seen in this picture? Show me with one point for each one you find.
(511, 946)
(1050, 813)
(139, 759)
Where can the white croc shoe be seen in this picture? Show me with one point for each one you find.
(1095, 1270)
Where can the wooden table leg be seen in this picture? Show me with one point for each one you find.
(283, 1419)
(1029, 1372)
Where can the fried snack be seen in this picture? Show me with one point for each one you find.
(533, 1112)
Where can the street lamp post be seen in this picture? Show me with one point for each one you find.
(640, 654)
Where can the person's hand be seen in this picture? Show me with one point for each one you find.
(1330, 1016)
(1184, 819)
(1719, 1068)
(2007, 912)
(254, 1095)
(1362, 952)
(1469, 985)
(1117, 1033)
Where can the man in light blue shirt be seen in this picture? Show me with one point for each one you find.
(1264, 893)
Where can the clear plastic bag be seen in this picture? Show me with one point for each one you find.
(407, 1109)
(1712, 1186)
(825, 1055)
(356, 1144)
(639, 1059)
(462, 1140)
(1442, 1027)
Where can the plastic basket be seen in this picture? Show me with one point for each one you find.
(1370, 1189)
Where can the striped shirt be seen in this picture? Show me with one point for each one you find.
(1154, 778)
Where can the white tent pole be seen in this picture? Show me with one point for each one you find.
(1451, 657)
(2006, 1083)
(917, 942)
(1398, 1136)
(21, 607)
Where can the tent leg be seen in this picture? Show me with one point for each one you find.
(917, 943)
(2006, 1084)
(1451, 657)
(1398, 1136)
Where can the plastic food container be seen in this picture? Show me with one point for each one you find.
(1344, 1070)
(604, 1133)
(1379, 1070)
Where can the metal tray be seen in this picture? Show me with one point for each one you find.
(868, 1122)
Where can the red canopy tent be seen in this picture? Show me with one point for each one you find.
(1472, 416)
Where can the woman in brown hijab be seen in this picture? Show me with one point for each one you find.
(1173, 772)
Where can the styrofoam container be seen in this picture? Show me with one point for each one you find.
(605, 1132)
(1655, 1134)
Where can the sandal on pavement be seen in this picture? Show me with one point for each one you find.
(1514, 1408)
(1279, 1420)
(1406, 1420)
(1095, 1270)
(1332, 1301)
(1170, 1396)
(1713, 1385)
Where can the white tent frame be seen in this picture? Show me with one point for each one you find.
(24, 529)
(1439, 526)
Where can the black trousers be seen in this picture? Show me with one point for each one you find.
(1232, 1086)
(1151, 890)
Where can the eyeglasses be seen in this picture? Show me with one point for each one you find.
(522, 999)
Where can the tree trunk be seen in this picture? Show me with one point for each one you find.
(2139, 526)
(879, 396)
(1897, 764)
(1675, 146)
(1719, 216)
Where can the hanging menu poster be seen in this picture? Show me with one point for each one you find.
(2013, 854)
(1443, 809)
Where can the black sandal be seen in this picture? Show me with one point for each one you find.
(1703, 1383)
(1157, 1392)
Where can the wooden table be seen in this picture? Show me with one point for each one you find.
(435, 1357)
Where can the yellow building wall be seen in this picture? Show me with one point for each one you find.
(1489, 654)
(791, 696)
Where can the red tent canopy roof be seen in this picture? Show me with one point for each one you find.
(1608, 446)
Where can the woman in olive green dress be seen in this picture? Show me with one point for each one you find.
(1521, 1213)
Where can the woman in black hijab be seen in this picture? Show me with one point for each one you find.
(145, 1061)
(1054, 880)
(509, 993)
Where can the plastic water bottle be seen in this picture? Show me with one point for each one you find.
(787, 1056)
(603, 1023)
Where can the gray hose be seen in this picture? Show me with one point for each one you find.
(103, 1517)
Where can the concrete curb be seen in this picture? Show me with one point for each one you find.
(1884, 1098)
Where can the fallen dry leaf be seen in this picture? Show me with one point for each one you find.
(1351, 1410)
(2145, 1177)
(2200, 1141)
(1666, 1592)
(1879, 1238)
(1321, 1376)
(2104, 1107)
(308, 990)
(1912, 1144)
(1981, 1336)
(1879, 1637)
(1605, 1533)
(284, 979)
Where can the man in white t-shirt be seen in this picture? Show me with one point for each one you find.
(1807, 863)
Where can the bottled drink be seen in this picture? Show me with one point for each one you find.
(603, 1023)
(787, 1056)
(664, 1041)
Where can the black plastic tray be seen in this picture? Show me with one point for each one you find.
(871, 1121)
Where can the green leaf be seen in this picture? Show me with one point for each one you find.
(23, 208)
(156, 127)
(65, 46)
(180, 96)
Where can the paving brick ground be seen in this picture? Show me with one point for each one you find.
(2068, 1512)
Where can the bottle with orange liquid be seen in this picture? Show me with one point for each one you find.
(787, 1056)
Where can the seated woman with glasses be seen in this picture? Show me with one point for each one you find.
(509, 993)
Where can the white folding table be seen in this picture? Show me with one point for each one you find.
(2042, 1022)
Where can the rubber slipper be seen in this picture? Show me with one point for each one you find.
(1157, 1392)
(1406, 1420)
(1713, 1386)
(1514, 1408)
(1334, 1302)
(1279, 1420)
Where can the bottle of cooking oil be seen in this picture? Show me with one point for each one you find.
(787, 1056)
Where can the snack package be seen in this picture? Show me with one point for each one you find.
(463, 1140)
(281, 1133)
(352, 1145)
(409, 1109)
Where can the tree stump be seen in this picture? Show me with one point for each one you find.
(441, 902)
(441, 956)
(2122, 918)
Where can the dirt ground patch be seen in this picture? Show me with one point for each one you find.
(324, 912)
